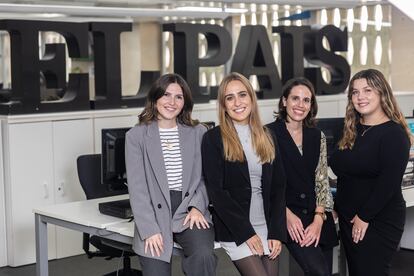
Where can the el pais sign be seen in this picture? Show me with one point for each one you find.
(252, 56)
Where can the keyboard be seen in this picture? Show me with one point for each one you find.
(117, 208)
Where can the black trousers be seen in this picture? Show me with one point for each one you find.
(198, 248)
(314, 261)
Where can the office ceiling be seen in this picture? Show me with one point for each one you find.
(161, 3)
(139, 10)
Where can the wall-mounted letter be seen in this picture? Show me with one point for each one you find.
(186, 56)
(254, 56)
(292, 52)
(27, 68)
(317, 54)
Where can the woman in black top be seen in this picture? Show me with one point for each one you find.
(245, 181)
(370, 163)
(310, 224)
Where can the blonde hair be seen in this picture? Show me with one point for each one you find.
(262, 141)
(377, 81)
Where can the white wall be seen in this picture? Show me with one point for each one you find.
(3, 248)
(402, 41)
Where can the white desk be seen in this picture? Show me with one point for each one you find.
(407, 240)
(83, 216)
(408, 194)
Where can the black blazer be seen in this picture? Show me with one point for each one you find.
(300, 174)
(229, 189)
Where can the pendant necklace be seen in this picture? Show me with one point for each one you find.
(168, 144)
(366, 130)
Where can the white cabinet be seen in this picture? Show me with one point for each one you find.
(3, 247)
(28, 162)
(40, 169)
(407, 240)
(70, 139)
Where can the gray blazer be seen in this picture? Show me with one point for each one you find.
(148, 185)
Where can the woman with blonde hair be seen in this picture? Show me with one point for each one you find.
(245, 181)
(369, 164)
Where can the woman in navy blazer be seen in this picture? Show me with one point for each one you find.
(311, 228)
(167, 193)
(245, 181)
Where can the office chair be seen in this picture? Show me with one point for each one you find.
(209, 124)
(89, 173)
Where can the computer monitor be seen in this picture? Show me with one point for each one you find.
(113, 158)
(332, 128)
(410, 122)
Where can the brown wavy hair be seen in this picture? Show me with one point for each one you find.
(262, 141)
(309, 121)
(377, 81)
(150, 112)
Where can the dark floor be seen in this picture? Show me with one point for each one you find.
(403, 265)
(82, 266)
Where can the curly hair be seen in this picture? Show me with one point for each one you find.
(377, 81)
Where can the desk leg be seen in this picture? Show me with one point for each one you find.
(41, 247)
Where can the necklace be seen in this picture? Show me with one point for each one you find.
(168, 144)
(380, 121)
(168, 137)
(366, 130)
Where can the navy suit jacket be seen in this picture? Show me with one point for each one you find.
(300, 174)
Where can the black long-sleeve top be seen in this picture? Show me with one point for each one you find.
(369, 175)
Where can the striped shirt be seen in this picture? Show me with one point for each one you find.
(170, 143)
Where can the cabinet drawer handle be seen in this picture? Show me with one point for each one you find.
(45, 190)
(61, 188)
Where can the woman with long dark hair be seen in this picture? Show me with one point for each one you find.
(310, 224)
(167, 193)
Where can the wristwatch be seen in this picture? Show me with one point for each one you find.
(321, 214)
